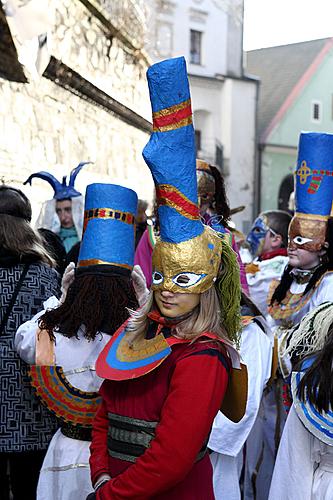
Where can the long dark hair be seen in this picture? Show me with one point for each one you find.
(287, 278)
(17, 237)
(317, 381)
(221, 201)
(99, 302)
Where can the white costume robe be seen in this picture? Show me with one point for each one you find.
(259, 282)
(65, 473)
(323, 292)
(304, 465)
(228, 438)
(264, 437)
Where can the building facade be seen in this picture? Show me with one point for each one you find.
(209, 33)
(296, 82)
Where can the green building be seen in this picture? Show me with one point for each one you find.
(295, 95)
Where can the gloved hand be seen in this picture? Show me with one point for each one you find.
(139, 285)
(67, 280)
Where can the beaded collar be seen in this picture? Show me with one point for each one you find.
(302, 276)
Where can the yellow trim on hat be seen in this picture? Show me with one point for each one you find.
(171, 109)
(311, 216)
(174, 126)
(94, 262)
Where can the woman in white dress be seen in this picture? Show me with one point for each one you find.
(65, 339)
(304, 464)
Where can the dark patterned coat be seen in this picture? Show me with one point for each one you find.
(25, 425)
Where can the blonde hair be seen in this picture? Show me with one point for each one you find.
(206, 317)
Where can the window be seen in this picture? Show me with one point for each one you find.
(316, 111)
(198, 140)
(195, 50)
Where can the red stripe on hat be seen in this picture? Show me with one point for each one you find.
(165, 196)
(175, 117)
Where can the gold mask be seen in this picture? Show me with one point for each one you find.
(206, 182)
(307, 232)
(187, 267)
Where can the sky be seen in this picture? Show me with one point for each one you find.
(279, 22)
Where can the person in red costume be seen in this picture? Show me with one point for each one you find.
(167, 368)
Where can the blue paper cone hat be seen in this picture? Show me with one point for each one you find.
(109, 229)
(313, 191)
(188, 254)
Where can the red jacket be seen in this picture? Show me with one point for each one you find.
(183, 394)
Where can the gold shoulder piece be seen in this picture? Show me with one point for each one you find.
(235, 398)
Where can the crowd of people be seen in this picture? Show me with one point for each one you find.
(173, 359)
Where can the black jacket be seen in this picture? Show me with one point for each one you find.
(25, 425)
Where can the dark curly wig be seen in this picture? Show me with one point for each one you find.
(97, 301)
(317, 382)
(221, 201)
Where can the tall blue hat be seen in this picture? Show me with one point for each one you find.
(62, 190)
(170, 153)
(314, 174)
(109, 228)
(187, 256)
(313, 190)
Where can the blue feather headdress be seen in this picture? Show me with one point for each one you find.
(61, 189)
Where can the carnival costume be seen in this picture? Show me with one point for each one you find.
(207, 190)
(308, 228)
(162, 392)
(304, 464)
(265, 266)
(228, 438)
(63, 372)
(48, 218)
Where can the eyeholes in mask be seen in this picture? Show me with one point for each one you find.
(298, 240)
(158, 278)
(185, 280)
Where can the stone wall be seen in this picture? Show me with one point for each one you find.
(44, 126)
(83, 43)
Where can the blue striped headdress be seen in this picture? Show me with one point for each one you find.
(188, 254)
(109, 229)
